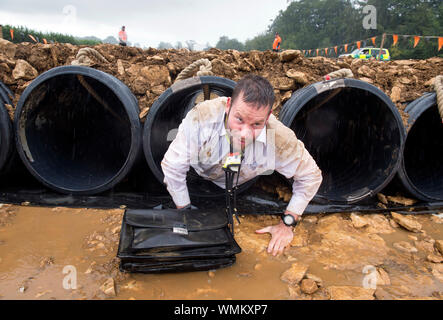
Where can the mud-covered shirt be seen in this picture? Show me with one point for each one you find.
(202, 142)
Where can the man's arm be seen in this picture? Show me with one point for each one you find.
(298, 164)
(176, 161)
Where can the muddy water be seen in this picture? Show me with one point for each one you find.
(38, 244)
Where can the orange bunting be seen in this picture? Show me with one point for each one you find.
(309, 52)
(395, 38)
(335, 48)
(44, 41)
(30, 36)
(440, 43)
(11, 31)
(326, 51)
(346, 48)
(358, 44)
(416, 40)
(317, 52)
(373, 40)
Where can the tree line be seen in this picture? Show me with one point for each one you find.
(312, 24)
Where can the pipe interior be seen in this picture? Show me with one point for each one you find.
(164, 129)
(423, 154)
(354, 138)
(76, 141)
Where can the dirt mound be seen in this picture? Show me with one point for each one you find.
(150, 72)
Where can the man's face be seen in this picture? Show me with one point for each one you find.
(245, 121)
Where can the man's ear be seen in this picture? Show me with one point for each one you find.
(228, 105)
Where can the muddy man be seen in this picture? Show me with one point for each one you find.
(243, 124)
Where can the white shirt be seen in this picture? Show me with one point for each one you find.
(201, 142)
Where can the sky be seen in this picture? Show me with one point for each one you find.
(147, 22)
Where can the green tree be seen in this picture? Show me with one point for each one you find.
(224, 43)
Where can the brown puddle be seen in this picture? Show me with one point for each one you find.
(37, 243)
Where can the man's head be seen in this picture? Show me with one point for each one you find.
(249, 109)
(123, 28)
(276, 34)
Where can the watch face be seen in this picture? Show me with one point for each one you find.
(288, 219)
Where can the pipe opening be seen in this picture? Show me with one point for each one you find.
(354, 138)
(75, 132)
(423, 154)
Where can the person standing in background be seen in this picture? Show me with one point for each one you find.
(276, 44)
(122, 37)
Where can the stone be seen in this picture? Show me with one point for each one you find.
(308, 286)
(405, 247)
(298, 76)
(382, 198)
(108, 287)
(315, 278)
(294, 274)
(439, 246)
(437, 218)
(406, 222)
(366, 71)
(283, 83)
(286, 96)
(424, 246)
(23, 70)
(357, 221)
(405, 62)
(396, 94)
(120, 68)
(156, 75)
(401, 200)
(350, 293)
(368, 80)
(290, 55)
(383, 277)
(8, 48)
(434, 258)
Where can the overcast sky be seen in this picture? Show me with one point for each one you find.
(147, 22)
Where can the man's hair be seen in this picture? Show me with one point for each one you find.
(254, 90)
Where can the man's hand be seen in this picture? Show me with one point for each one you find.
(281, 237)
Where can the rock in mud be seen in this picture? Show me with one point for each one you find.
(405, 247)
(108, 287)
(294, 274)
(23, 70)
(308, 286)
(407, 222)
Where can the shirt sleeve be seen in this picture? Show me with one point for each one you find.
(307, 176)
(177, 159)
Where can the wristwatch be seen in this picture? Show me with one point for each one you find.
(289, 220)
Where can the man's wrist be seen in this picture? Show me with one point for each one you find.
(296, 216)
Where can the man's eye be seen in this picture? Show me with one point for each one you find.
(239, 119)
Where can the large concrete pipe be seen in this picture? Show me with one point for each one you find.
(78, 130)
(164, 118)
(353, 131)
(421, 170)
(6, 136)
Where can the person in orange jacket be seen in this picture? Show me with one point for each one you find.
(276, 44)
(122, 37)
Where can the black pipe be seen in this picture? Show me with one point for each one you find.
(77, 129)
(353, 131)
(165, 116)
(6, 136)
(421, 170)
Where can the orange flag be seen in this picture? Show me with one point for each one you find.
(335, 48)
(317, 52)
(44, 41)
(395, 38)
(440, 43)
(416, 40)
(30, 36)
(358, 44)
(309, 52)
(373, 40)
(326, 51)
(346, 48)
(11, 31)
